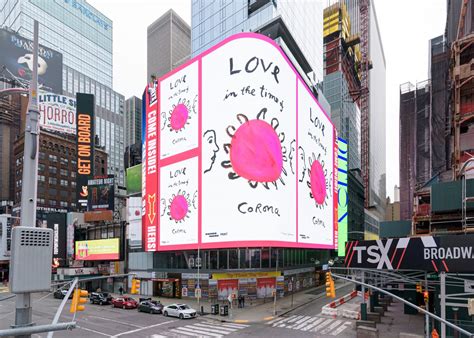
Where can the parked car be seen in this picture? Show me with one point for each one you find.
(150, 306)
(100, 298)
(125, 303)
(60, 294)
(179, 310)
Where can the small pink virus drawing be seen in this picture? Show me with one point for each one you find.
(179, 206)
(180, 114)
(179, 117)
(256, 151)
(317, 180)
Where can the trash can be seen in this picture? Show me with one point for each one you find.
(224, 310)
(215, 309)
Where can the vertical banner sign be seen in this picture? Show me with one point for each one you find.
(342, 196)
(150, 171)
(85, 146)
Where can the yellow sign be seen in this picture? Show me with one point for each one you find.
(101, 249)
(236, 275)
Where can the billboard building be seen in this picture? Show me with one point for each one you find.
(239, 163)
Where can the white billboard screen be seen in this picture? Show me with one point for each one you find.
(247, 153)
(57, 112)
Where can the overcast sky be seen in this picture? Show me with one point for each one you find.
(405, 26)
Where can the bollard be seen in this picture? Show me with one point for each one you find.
(363, 311)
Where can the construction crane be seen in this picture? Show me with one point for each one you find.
(365, 65)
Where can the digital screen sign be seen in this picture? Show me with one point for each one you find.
(97, 250)
(247, 156)
(342, 196)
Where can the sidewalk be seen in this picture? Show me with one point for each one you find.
(256, 312)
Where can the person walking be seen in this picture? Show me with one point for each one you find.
(121, 291)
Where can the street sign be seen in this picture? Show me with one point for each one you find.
(290, 286)
(197, 292)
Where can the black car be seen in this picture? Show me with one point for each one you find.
(150, 306)
(101, 298)
(61, 293)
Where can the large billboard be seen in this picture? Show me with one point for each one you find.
(342, 196)
(57, 113)
(85, 135)
(247, 155)
(97, 250)
(453, 253)
(134, 180)
(57, 222)
(17, 58)
(101, 193)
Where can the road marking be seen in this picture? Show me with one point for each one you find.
(305, 323)
(237, 326)
(143, 328)
(275, 320)
(187, 334)
(94, 331)
(241, 321)
(205, 333)
(331, 327)
(305, 318)
(268, 318)
(340, 329)
(213, 327)
(157, 336)
(281, 321)
(117, 321)
(323, 324)
(310, 326)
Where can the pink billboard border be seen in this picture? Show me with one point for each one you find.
(178, 157)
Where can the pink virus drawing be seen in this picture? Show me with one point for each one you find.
(179, 117)
(256, 151)
(318, 182)
(178, 208)
(180, 114)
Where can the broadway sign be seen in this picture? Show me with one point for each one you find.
(445, 253)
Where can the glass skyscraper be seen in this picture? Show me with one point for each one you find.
(213, 21)
(72, 27)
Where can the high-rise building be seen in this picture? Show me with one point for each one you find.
(343, 89)
(133, 121)
(72, 27)
(168, 44)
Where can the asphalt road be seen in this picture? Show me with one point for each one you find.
(106, 321)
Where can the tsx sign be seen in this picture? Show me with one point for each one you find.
(446, 253)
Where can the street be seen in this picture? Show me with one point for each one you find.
(96, 321)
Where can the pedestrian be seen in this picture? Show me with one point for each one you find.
(243, 301)
(121, 291)
(240, 301)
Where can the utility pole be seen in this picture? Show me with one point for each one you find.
(23, 313)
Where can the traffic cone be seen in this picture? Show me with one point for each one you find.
(434, 334)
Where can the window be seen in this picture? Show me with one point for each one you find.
(213, 259)
(53, 180)
(265, 258)
(73, 184)
(64, 183)
(41, 167)
(63, 204)
(41, 178)
(53, 158)
(64, 161)
(73, 174)
(53, 170)
(52, 203)
(223, 256)
(233, 259)
(63, 172)
(244, 262)
(255, 258)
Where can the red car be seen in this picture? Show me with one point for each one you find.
(125, 303)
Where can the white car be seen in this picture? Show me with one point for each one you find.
(179, 310)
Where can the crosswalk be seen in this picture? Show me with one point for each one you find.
(202, 329)
(321, 325)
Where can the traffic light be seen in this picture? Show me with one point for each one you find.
(426, 296)
(419, 288)
(330, 289)
(79, 297)
(135, 286)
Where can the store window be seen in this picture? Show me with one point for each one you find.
(255, 259)
(233, 259)
(244, 262)
(213, 259)
(265, 258)
(223, 257)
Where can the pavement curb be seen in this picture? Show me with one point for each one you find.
(266, 319)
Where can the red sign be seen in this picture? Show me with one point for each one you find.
(150, 170)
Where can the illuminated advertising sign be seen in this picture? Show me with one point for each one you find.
(97, 250)
(85, 146)
(150, 170)
(134, 180)
(57, 113)
(101, 193)
(342, 196)
(246, 153)
(17, 58)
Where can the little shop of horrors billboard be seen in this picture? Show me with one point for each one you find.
(454, 253)
(237, 152)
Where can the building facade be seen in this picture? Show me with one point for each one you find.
(133, 121)
(57, 166)
(72, 27)
(168, 44)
